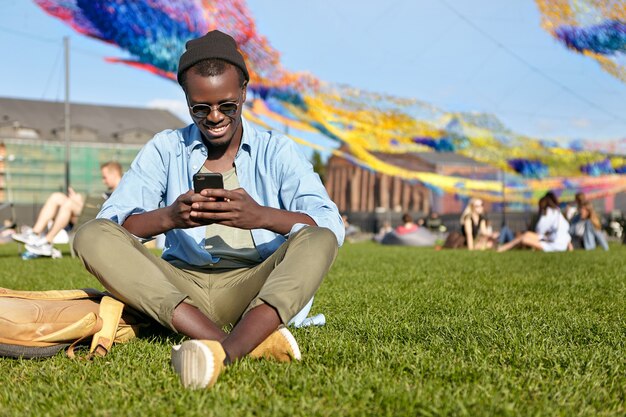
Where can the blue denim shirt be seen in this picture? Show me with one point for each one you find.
(270, 168)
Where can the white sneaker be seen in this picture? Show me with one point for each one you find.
(27, 237)
(40, 247)
(56, 254)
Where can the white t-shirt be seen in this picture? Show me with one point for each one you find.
(553, 231)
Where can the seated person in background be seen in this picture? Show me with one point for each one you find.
(407, 225)
(532, 225)
(111, 177)
(616, 224)
(474, 225)
(63, 210)
(489, 236)
(573, 208)
(385, 228)
(551, 233)
(434, 222)
(586, 229)
(351, 230)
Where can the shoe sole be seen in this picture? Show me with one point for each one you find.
(292, 343)
(193, 362)
(20, 239)
(37, 251)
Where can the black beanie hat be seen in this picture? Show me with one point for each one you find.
(214, 44)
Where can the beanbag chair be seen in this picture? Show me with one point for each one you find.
(420, 237)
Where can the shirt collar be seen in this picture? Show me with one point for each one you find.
(248, 132)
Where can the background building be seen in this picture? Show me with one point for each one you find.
(32, 147)
(355, 189)
(369, 198)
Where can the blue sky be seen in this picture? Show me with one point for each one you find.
(459, 55)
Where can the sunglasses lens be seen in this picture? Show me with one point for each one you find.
(201, 110)
(228, 108)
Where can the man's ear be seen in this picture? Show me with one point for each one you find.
(245, 90)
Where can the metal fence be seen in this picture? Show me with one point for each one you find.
(32, 170)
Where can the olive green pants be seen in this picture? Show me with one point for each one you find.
(286, 280)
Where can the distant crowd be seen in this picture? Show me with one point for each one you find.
(552, 229)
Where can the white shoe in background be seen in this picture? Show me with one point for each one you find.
(27, 237)
(41, 247)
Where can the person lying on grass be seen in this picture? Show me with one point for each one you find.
(249, 255)
(551, 232)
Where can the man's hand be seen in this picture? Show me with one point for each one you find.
(236, 208)
(233, 208)
(175, 216)
(180, 211)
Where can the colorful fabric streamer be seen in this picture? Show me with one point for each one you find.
(607, 38)
(595, 169)
(595, 28)
(154, 32)
(528, 168)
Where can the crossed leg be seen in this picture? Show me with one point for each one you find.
(159, 289)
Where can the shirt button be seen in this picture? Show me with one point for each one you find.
(195, 167)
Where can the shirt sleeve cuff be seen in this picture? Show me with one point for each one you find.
(322, 220)
(296, 228)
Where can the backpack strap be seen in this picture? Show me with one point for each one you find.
(110, 313)
(109, 316)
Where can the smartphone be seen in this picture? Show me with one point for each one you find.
(204, 180)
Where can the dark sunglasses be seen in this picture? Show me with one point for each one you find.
(202, 110)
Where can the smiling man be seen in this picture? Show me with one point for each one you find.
(247, 257)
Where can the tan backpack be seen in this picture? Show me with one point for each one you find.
(41, 323)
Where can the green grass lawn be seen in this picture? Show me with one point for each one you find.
(409, 332)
